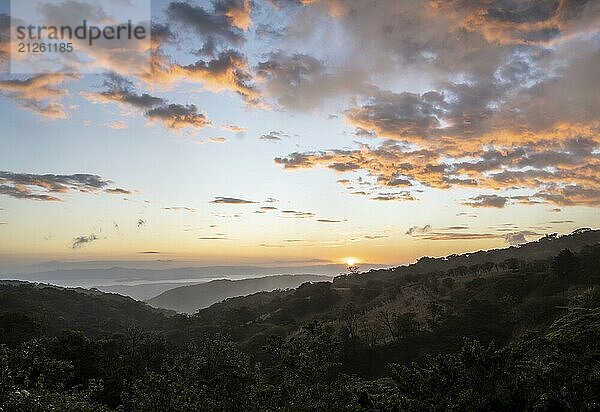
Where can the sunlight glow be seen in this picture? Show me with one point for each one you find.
(351, 261)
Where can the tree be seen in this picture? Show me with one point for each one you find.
(564, 263)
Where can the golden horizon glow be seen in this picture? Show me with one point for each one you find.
(351, 261)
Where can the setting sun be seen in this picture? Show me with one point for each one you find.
(351, 261)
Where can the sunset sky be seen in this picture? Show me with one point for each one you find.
(310, 131)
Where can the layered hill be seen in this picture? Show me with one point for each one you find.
(31, 310)
(188, 299)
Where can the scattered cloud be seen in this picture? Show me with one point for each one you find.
(177, 116)
(118, 191)
(394, 197)
(273, 136)
(179, 209)
(493, 201)
(459, 236)
(297, 215)
(221, 24)
(81, 241)
(51, 187)
(414, 230)
(233, 128)
(373, 237)
(173, 116)
(231, 201)
(117, 125)
(41, 94)
(518, 238)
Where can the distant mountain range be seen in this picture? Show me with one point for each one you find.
(189, 299)
(134, 276)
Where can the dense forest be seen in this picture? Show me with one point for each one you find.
(487, 331)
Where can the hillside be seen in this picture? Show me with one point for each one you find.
(188, 299)
(545, 247)
(33, 310)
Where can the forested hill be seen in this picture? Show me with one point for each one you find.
(189, 299)
(547, 246)
(32, 310)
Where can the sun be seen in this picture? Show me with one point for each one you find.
(351, 261)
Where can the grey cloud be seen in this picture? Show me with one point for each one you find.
(177, 116)
(231, 201)
(414, 230)
(493, 201)
(273, 136)
(303, 82)
(173, 116)
(118, 191)
(50, 187)
(297, 215)
(518, 238)
(81, 241)
(120, 89)
(207, 24)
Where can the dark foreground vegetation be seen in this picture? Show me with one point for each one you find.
(512, 335)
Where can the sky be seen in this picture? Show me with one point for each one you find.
(308, 131)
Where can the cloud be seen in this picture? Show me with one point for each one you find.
(177, 116)
(149, 252)
(228, 71)
(405, 116)
(459, 236)
(373, 237)
(122, 90)
(81, 241)
(4, 42)
(238, 12)
(273, 136)
(330, 221)
(40, 94)
(233, 128)
(118, 191)
(117, 125)
(493, 201)
(297, 215)
(558, 172)
(219, 140)
(211, 25)
(518, 238)
(231, 201)
(179, 209)
(504, 99)
(413, 230)
(394, 197)
(51, 187)
(302, 82)
(173, 116)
